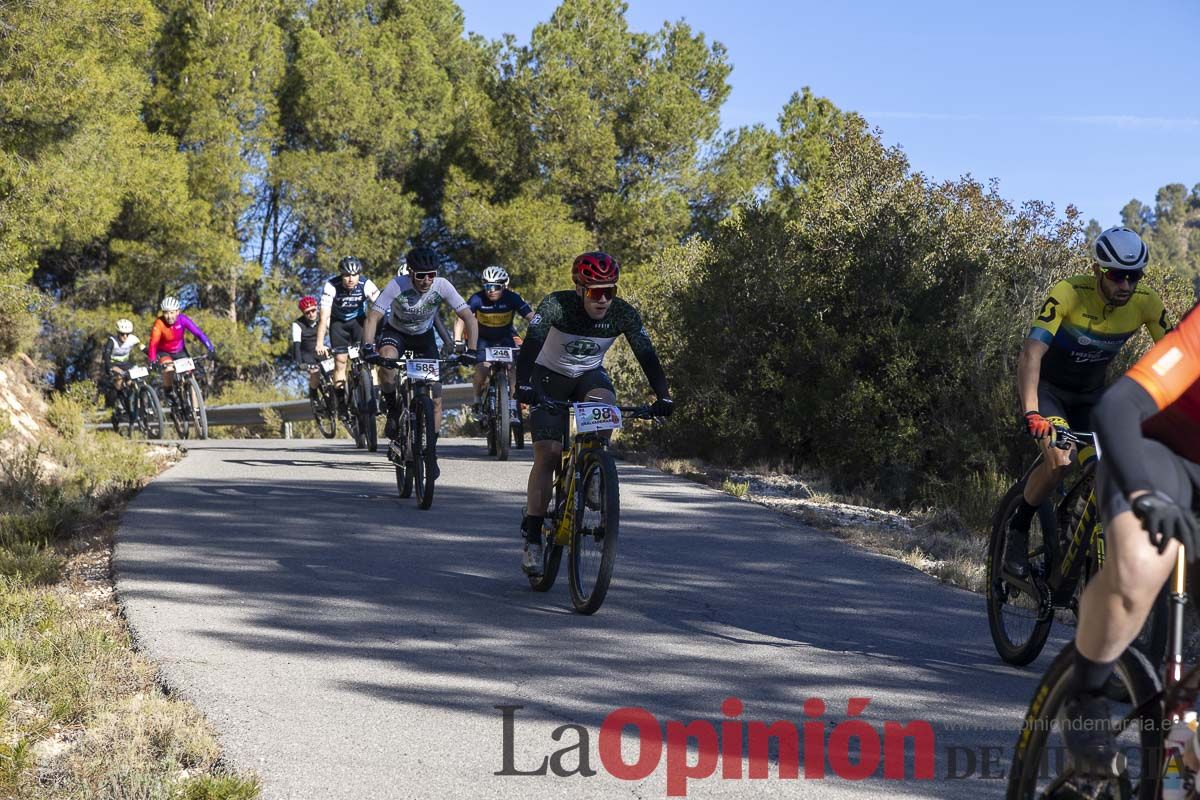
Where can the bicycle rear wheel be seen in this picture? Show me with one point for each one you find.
(551, 550)
(593, 551)
(1041, 766)
(150, 414)
(423, 434)
(1016, 619)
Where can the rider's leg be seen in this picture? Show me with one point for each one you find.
(546, 456)
(339, 378)
(1040, 485)
(387, 391)
(477, 382)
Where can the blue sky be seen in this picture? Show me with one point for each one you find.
(1068, 102)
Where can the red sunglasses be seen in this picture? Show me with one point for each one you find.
(600, 292)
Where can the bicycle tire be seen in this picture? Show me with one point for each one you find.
(403, 481)
(150, 414)
(1135, 683)
(366, 410)
(551, 550)
(503, 420)
(181, 415)
(593, 550)
(199, 412)
(322, 412)
(489, 417)
(423, 433)
(126, 401)
(1021, 641)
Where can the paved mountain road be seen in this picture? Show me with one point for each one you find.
(347, 645)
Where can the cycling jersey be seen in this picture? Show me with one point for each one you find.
(117, 352)
(1170, 374)
(304, 340)
(412, 312)
(565, 339)
(496, 319)
(1085, 332)
(170, 337)
(346, 304)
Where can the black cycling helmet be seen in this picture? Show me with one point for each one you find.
(422, 259)
(350, 266)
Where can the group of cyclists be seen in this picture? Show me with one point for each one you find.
(1148, 421)
(1147, 424)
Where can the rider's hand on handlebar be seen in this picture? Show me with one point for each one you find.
(662, 407)
(527, 394)
(1039, 427)
(1164, 520)
(460, 346)
(369, 354)
(322, 351)
(468, 357)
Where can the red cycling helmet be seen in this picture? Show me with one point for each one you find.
(595, 269)
(307, 302)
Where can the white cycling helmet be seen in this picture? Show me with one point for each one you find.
(495, 275)
(170, 303)
(124, 326)
(1120, 248)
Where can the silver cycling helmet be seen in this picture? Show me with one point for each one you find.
(124, 326)
(170, 303)
(1120, 248)
(495, 275)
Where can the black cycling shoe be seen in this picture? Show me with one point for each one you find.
(1016, 553)
(391, 428)
(1088, 732)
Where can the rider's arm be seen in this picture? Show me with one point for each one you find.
(156, 333)
(549, 312)
(444, 334)
(326, 308)
(1118, 421)
(475, 302)
(467, 317)
(460, 307)
(1029, 369)
(1156, 318)
(194, 329)
(643, 350)
(373, 317)
(296, 339)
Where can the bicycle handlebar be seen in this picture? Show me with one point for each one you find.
(630, 412)
(1065, 438)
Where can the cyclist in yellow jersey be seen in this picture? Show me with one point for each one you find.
(1061, 372)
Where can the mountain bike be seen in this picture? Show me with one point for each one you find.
(500, 414)
(324, 405)
(1021, 611)
(362, 400)
(409, 450)
(586, 509)
(185, 400)
(1143, 710)
(137, 405)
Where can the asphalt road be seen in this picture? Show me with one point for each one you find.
(347, 645)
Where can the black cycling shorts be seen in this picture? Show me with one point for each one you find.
(1074, 407)
(309, 357)
(547, 424)
(1170, 473)
(422, 345)
(345, 332)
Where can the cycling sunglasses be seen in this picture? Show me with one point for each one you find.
(425, 276)
(1122, 275)
(493, 287)
(600, 292)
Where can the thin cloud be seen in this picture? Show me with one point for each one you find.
(1126, 121)
(921, 115)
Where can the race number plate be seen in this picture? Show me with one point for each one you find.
(138, 372)
(498, 354)
(352, 352)
(597, 417)
(327, 364)
(184, 364)
(420, 369)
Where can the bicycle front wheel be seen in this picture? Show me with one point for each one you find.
(323, 413)
(199, 412)
(181, 415)
(1041, 766)
(593, 550)
(150, 414)
(1017, 619)
(423, 434)
(365, 408)
(503, 420)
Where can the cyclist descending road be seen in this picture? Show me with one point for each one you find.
(305, 329)
(167, 337)
(344, 302)
(1149, 424)
(1061, 371)
(562, 358)
(410, 303)
(116, 356)
(495, 307)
